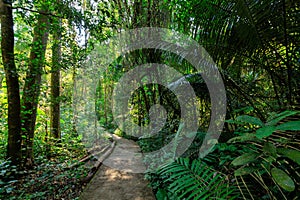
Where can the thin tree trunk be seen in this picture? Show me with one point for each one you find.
(12, 82)
(105, 103)
(55, 84)
(32, 85)
(74, 103)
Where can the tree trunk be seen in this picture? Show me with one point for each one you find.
(74, 103)
(12, 82)
(32, 85)
(55, 83)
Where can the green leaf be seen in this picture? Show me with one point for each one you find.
(290, 153)
(278, 117)
(161, 194)
(250, 119)
(192, 180)
(244, 159)
(283, 180)
(265, 131)
(243, 138)
(244, 171)
(270, 149)
(289, 126)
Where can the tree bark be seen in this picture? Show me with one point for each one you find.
(12, 82)
(55, 83)
(32, 85)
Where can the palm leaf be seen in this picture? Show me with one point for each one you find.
(195, 180)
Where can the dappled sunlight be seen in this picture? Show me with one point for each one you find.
(120, 177)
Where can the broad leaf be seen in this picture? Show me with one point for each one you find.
(290, 153)
(265, 131)
(250, 119)
(289, 126)
(244, 159)
(283, 180)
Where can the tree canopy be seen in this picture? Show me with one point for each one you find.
(48, 46)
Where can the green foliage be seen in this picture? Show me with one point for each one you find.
(50, 178)
(244, 159)
(250, 120)
(292, 154)
(194, 180)
(260, 168)
(283, 180)
(247, 159)
(266, 129)
(275, 118)
(256, 47)
(269, 160)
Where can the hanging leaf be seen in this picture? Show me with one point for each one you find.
(291, 154)
(265, 131)
(244, 159)
(283, 180)
(289, 126)
(250, 120)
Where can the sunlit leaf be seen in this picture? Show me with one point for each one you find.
(265, 131)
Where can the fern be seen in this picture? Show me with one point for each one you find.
(195, 180)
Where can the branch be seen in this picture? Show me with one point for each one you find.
(35, 11)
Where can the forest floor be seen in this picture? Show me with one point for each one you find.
(120, 177)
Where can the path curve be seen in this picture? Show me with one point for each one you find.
(116, 178)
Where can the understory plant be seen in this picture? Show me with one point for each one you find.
(260, 162)
(271, 156)
(194, 179)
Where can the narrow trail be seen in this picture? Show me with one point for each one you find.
(117, 177)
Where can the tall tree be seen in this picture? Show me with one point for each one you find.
(55, 81)
(12, 82)
(33, 82)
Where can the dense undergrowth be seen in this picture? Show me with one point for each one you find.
(261, 160)
(51, 177)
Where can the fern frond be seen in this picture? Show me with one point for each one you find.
(195, 180)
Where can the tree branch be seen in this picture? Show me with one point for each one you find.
(36, 11)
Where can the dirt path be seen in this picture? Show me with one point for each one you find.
(120, 177)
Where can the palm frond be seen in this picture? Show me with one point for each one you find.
(196, 180)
